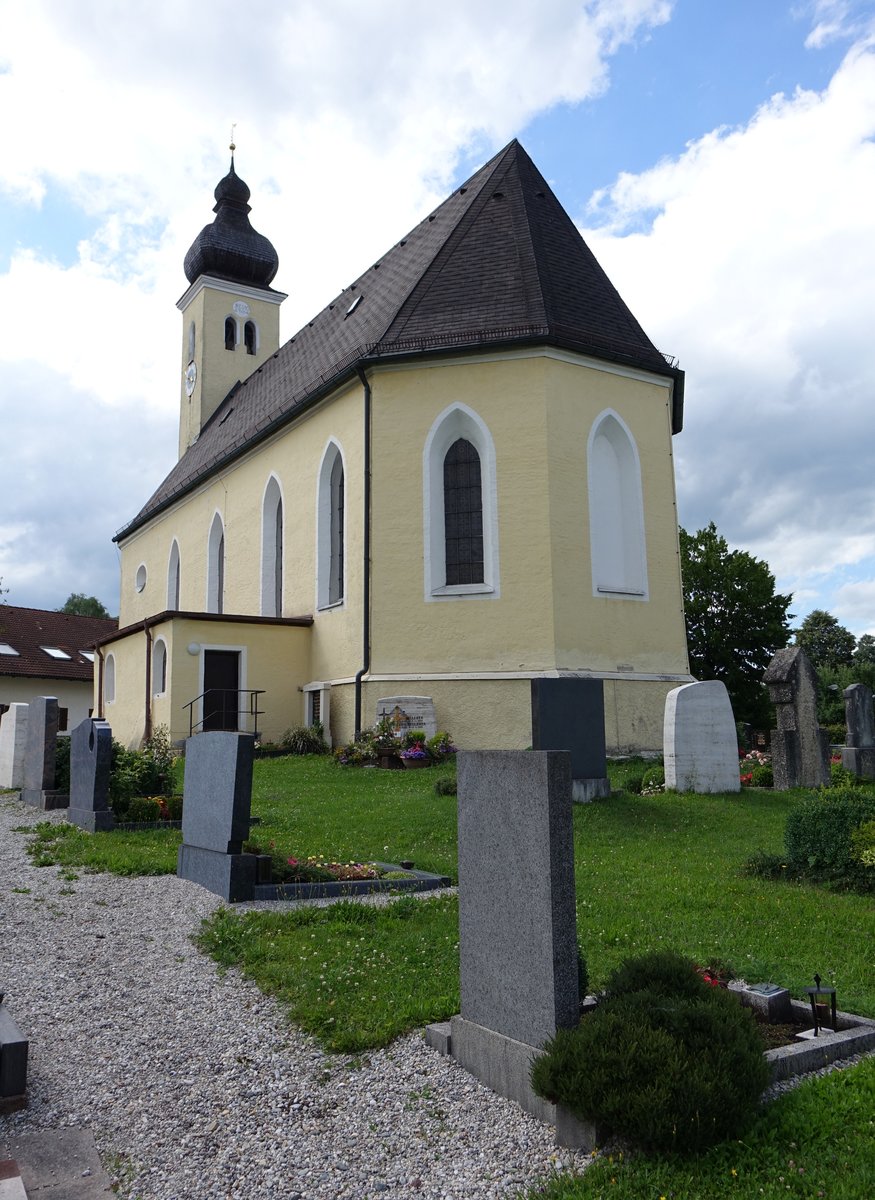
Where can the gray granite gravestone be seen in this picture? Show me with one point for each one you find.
(13, 1062)
(858, 753)
(13, 738)
(409, 712)
(90, 762)
(38, 776)
(699, 739)
(569, 714)
(800, 748)
(517, 922)
(215, 814)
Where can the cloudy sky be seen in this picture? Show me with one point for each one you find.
(719, 160)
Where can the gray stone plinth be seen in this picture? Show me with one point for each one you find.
(700, 742)
(517, 904)
(773, 1002)
(505, 1065)
(231, 876)
(45, 800)
(569, 714)
(13, 739)
(584, 791)
(13, 1058)
(860, 760)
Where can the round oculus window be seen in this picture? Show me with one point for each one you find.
(140, 580)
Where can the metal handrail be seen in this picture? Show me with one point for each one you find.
(252, 711)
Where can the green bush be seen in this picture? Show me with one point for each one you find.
(654, 777)
(447, 785)
(441, 746)
(676, 1068)
(143, 808)
(841, 777)
(818, 836)
(763, 865)
(413, 737)
(762, 776)
(836, 733)
(146, 772)
(62, 764)
(863, 842)
(174, 808)
(304, 739)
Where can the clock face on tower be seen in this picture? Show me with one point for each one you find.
(190, 378)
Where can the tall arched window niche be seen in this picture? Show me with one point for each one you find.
(173, 577)
(272, 550)
(460, 506)
(331, 524)
(159, 667)
(230, 333)
(216, 567)
(250, 337)
(109, 679)
(616, 511)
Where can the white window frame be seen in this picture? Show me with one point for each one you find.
(272, 501)
(324, 550)
(616, 512)
(458, 421)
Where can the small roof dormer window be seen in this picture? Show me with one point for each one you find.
(54, 652)
(5, 648)
(89, 654)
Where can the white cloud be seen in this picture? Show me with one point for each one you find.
(855, 606)
(752, 257)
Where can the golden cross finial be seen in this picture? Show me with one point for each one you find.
(233, 127)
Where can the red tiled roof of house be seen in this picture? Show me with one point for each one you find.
(33, 632)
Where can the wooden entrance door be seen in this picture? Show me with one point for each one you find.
(221, 683)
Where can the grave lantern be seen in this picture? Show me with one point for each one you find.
(819, 995)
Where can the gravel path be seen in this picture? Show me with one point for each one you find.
(193, 1084)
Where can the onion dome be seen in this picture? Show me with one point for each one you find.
(230, 248)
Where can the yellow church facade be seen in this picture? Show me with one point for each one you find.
(445, 485)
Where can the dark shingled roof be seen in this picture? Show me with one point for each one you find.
(498, 264)
(27, 630)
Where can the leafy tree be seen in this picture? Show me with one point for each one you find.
(826, 643)
(79, 605)
(735, 619)
(864, 655)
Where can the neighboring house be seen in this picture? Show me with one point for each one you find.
(457, 477)
(49, 654)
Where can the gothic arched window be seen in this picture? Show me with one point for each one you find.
(230, 333)
(216, 567)
(463, 514)
(272, 551)
(331, 529)
(250, 337)
(616, 511)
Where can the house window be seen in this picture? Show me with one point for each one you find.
(250, 338)
(331, 532)
(173, 578)
(616, 511)
(230, 333)
(460, 507)
(463, 514)
(109, 679)
(159, 667)
(272, 550)
(216, 567)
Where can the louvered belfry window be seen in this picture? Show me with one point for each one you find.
(463, 514)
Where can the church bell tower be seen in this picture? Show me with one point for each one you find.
(230, 314)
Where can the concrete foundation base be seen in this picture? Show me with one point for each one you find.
(90, 820)
(505, 1065)
(231, 876)
(585, 790)
(45, 800)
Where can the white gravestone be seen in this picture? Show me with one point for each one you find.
(13, 735)
(700, 741)
(409, 712)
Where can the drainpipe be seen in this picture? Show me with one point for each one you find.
(366, 557)
(147, 724)
(99, 683)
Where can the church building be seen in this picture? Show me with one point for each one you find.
(456, 478)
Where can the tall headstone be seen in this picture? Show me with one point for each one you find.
(700, 743)
(215, 814)
(569, 714)
(517, 917)
(38, 777)
(90, 762)
(13, 737)
(800, 748)
(858, 753)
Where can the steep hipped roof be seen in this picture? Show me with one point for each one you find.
(498, 264)
(33, 632)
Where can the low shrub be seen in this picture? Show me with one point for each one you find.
(304, 739)
(143, 808)
(819, 832)
(675, 1065)
(762, 777)
(863, 843)
(441, 746)
(841, 777)
(62, 764)
(146, 772)
(447, 785)
(653, 779)
(413, 737)
(763, 865)
(174, 808)
(836, 733)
